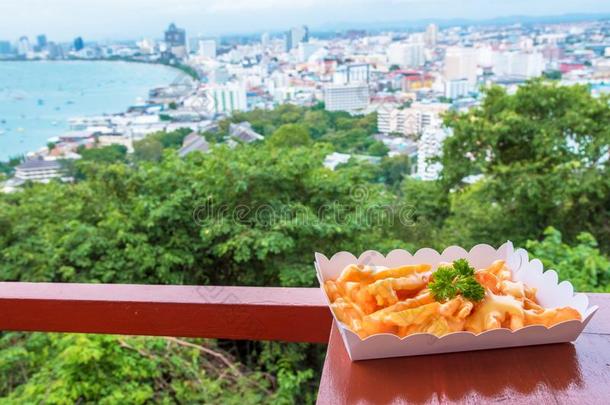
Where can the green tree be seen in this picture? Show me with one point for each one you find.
(256, 212)
(70, 368)
(377, 148)
(172, 139)
(9, 166)
(427, 206)
(149, 148)
(394, 169)
(582, 264)
(543, 154)
(317, 122)
(214, 136)
(473, 217)
(106, 154)
(552, 74)
(290, 135)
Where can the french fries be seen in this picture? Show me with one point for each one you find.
(398, 301)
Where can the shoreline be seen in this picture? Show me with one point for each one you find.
(22, 156)
(187, 70)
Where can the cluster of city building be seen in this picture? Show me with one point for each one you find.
(408, 78)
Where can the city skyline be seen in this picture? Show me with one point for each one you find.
(113, 20)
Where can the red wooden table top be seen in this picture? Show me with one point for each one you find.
(576, 373)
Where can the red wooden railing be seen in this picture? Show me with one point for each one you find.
(562, 373)
(253, 313)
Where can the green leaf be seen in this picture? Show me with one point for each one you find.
(458, 279)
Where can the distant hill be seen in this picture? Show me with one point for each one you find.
(407, 25)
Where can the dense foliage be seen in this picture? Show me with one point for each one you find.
(583, 264)
(253, 215)
(346, 133)
(544, 156)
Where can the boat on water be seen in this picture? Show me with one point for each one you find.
(20, 129)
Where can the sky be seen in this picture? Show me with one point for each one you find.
(63, 20)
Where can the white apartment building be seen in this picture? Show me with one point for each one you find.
(519, 64)
(431, 35)
(352, 73)
(410, 54)
(461, 63)
(412, 120)
(390, 119)
(457, 88)
(226, 98)
(429, 146)
(38, 170)
(352, 98)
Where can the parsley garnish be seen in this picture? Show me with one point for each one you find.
(459, 279)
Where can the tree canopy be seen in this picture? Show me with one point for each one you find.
(531, 167)
(543, 153)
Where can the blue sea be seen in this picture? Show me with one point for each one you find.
(38, 98)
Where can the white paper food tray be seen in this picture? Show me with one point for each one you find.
(550, 293)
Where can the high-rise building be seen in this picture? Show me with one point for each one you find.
(41, 41)
(296, 35)
(175, 40)
(396, 54)
(431, 35)
(226, 98)
(78, 44)
(23, 46)
(410, 54)
(207, 48)
(461, 63)
(352, 98)
(390, 119)
(54, 51)
(5, 48)
(265, 39)
(429, 146)
(175, 36)
(352, 73)
(518, 63)
(412, 120)
(457, 88)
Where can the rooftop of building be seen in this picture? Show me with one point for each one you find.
(39, 164)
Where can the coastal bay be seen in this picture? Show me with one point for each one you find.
(38, 97)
